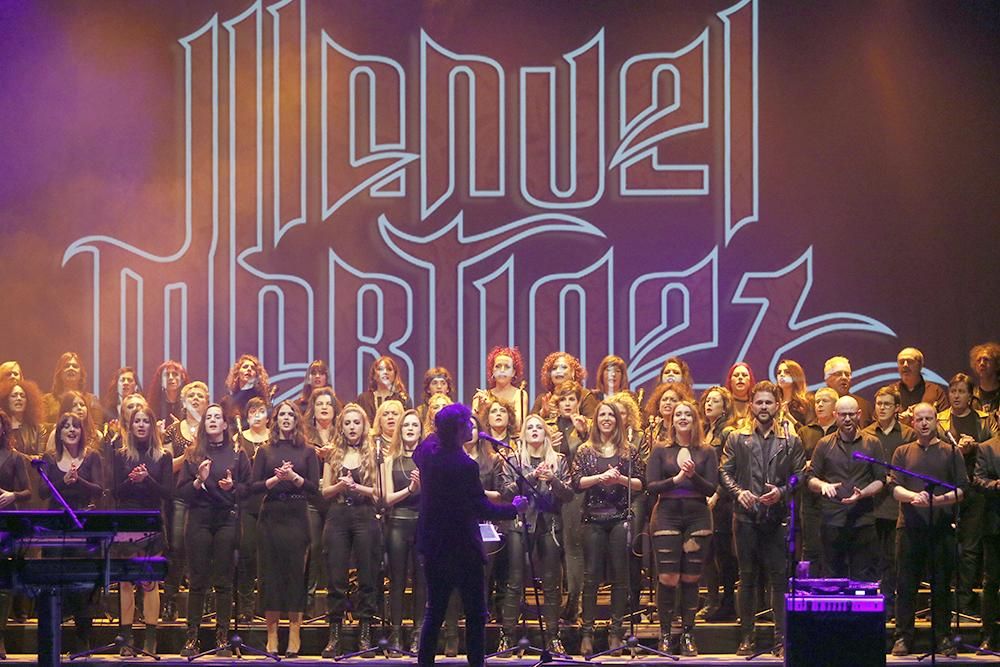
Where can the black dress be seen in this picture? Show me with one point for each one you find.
(283, 526)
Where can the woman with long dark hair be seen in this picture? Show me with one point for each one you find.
(605, 468)
(142, 480)
(286, 471)
(14, 490)
(70, 375)
(796, 401)
(721, 568)
(384, 384)
(256, 434)
(317, 376)
(164, 391)
(320, 424)
(682, 474)
(123, 383)
(213, 477)
(349, 484)
(739, 381)
(75, 471)
(401, 484)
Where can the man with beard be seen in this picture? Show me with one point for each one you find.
(847, 488)
(837, 372)
(985, 361)
(761, 462)
(925, 540)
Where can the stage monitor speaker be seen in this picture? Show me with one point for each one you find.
(835, 631)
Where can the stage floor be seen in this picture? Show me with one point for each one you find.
(709, 660)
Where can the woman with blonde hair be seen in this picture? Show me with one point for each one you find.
(143, 479)
(401, 484)
(547, 470)
(349, 485)
(682, 474)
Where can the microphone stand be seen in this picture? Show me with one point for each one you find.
(545, 656)
(236, 644)
(932, 483)
(632, 643)
(382, 645)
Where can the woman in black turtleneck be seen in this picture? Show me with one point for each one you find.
(76, 473)
(143, 479)
(286, 471)
(213, 476)
(14, 488)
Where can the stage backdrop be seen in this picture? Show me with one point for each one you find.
(304, 179)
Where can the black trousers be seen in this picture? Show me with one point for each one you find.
(991, 585)
(442, 578)
(721, 568)
(347, 528)
(760, 548)
(401, 545)
(604, 546)
(247, 593)
(850, 552)
(211, 537)
(885, 531)
(547, 555)
(176, 519)
(915, 549)
(810, 534)
(970, 543)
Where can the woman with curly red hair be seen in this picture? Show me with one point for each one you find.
(505, 377)
(247, 378)
(556, 369)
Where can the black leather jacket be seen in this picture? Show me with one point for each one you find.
(742, 468)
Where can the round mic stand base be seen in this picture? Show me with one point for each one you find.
(634, 648)
(382, 647)
(237, 648)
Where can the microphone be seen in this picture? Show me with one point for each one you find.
(951, 438)
(38, 463)
(793, 481)
(497, 444)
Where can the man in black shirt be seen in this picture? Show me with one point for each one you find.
(825, 423)
(761, 463)
(912, 387)
(961, 424)
(891, 433)
(923, 540)
(847, 487)
(984, 359)
(987, 479)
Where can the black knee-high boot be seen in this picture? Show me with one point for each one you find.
(665, 596)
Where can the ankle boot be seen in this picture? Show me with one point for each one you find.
(169, 612)
(365, 637)
(586, 641)
(687, 646)
(395, 632)
(149, 640)
(451, 643)
(191, 646)
(222, 648)
(332, 648)
(125, 649)
(615, 640)
(415, 638)
(506, 642)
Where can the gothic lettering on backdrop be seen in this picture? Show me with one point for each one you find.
(344, 205)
